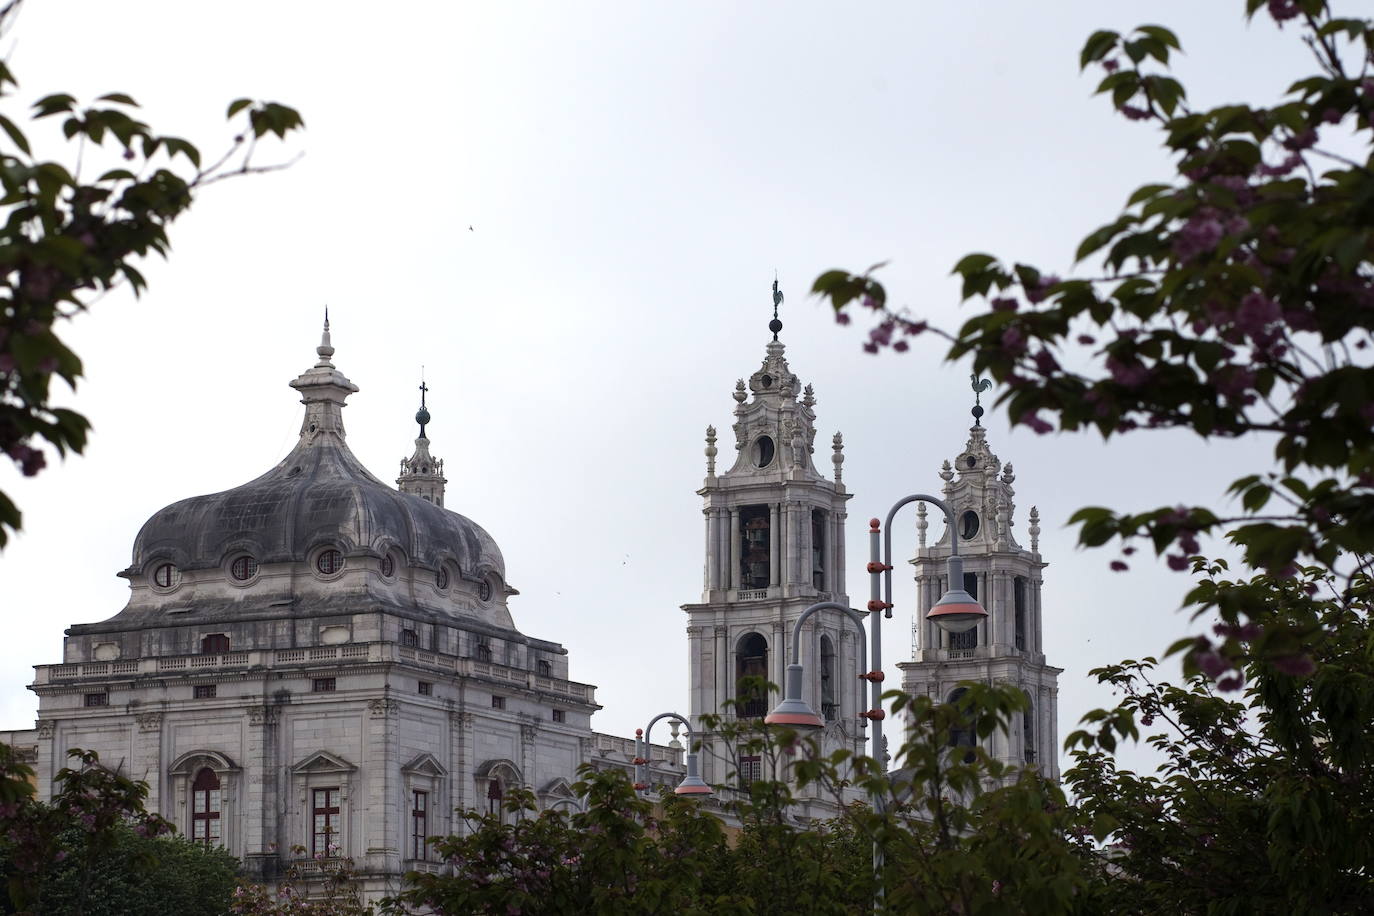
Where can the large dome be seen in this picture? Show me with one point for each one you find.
(320, 495)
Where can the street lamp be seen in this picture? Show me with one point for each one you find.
(795, 712)
(692, 783)
(955, 612)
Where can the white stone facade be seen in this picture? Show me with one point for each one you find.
(1007, 647)
(774, 546)
(317, 660)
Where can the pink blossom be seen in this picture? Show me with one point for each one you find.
(1295, 665)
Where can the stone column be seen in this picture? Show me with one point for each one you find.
(460, 772)
(725, 690)
(529, 733)
(804, 546)
(734, 549)
(840, 552)
(148, 764)
(708, 572)
(774, 545)
(264, 832)
(777, 661)
(379, 792)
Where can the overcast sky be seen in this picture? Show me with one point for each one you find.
(633, 175)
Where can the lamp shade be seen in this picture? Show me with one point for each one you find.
(692, 784)
(793, 711)
(956, 612)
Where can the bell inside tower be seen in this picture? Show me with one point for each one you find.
(755, 537)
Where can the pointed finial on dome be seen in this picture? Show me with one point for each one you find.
(1035, 529)
(325, 349)
(710, 451)
(979, 386)
(422, 415)
(775, 325)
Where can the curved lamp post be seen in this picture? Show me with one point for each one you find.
(692, 783)
(955, 612)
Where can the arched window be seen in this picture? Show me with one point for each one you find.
(1028, 730)
(751, 661)
(206, 809)
(963, 735)
(830, 706)
(545, 668)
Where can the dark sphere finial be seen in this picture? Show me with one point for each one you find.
(977, 414)
(775, 326)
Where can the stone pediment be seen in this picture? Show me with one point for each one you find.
(323, 762)
(425, 765)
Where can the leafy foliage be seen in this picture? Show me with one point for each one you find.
(1235, 300)
(67, 238)
(94, 849)
(322, 886)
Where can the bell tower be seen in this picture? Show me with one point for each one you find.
(1005, 578)
(774, 546)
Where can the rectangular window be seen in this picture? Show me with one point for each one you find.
(560, 716)
(419, 825)
(323, 685)
(214, 643)
(97, 699)
(483, 650)
(324, 809)
(426, 689)
(410, 638)
(750, 769)
(498, 702)
(203, 691)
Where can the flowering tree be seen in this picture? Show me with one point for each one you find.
(1235, 300)
(94, 849)
(67, 238)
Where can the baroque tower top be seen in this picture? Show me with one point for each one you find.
(421, 474)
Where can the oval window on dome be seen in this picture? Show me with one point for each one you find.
(329, 562)
(165, 576)
(968, 524)
(441, 578)
(484, 590)
(763, 452)
(388, 566)
(244, 568)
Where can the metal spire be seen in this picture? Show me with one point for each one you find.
(775, 325)
(422, 415)
(979, 386)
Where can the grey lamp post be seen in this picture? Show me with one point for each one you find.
(692, 783)
(955, 612)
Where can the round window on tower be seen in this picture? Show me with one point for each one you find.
(441, 578)
(484, 590)
(970, 461)
(243, 568)
(329, 562)
(763, 452)
(968, 524)
(388, 566)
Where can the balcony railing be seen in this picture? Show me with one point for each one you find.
(313, 657)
